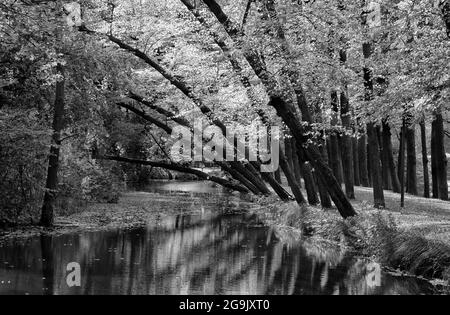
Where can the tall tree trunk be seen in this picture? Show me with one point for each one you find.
(411, 168)
(362, 160)
(426, 171)
(48, 207)
(401, 162)
(347, 147)
(389, 155)
(374, 147)
(356, 171)
(335, 155)
(387, 183)
(434, 162)
(375, 166)
(440, 156)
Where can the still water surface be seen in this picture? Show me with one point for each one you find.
(217, 250)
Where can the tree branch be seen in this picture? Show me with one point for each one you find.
(179, 168)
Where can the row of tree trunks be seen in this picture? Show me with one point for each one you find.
(286, 110)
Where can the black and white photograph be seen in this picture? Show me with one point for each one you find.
(224, 154)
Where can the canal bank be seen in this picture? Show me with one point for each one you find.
(265, 242)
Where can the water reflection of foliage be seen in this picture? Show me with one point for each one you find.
(208, 253)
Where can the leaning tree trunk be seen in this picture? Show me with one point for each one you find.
(292, 182)
(47, 214)
(286, 110)
(426, 172)
(440, 156)
(325, 200)
(310, 184)
(411, 164)
(389, 155)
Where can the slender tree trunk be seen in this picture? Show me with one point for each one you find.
(362, 159)
(347, 148)
(48, 207)
(387, 184)
(411, 179)
(356, 171)
(335, 155)
(401, 162)
(434, 162)
(387, 147)
(440, 156)
(426, 172)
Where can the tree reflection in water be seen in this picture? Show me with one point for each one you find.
(209, 253)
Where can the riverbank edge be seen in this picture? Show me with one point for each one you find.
(374, 235)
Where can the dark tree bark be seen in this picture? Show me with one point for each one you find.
(389, 155)
(356, 171)
(325, 200)
(47, 214)
(411, 165)
(277, 175)
(401, 162)
(387, 184)
(375, 166)
(434, 174)
(374, 147)
(310, 185)
(440, 158)
(426, 171)
(291, 179)
(347, 148)
(362, 159)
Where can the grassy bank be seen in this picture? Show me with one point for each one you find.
(403, 242)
